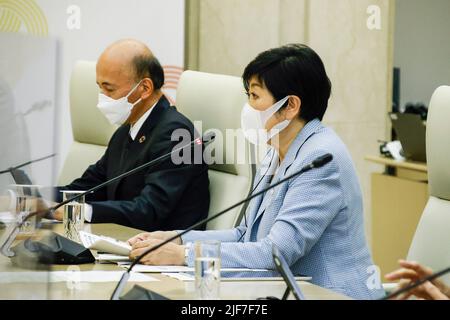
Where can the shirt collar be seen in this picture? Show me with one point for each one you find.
(134, 130)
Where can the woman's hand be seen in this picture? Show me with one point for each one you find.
(157, 235)
(169, 254)
(412, 272)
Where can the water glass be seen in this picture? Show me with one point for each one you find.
(24, 201)
(73, 218)
(207, 270)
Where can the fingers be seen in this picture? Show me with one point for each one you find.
(146, 243)
(421, 270)
(138, 238)
(133, 240)
(58, 214)
(402, 274)
(406, 295)
(135, 253)
(433, 291)
(139, 248)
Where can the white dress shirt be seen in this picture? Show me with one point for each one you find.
(134, 130)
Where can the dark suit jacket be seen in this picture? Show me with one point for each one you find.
(165, 197)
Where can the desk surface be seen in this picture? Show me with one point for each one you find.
(411, 165)
(167, 286)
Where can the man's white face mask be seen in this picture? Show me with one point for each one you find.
(253, 123)
(117, 111)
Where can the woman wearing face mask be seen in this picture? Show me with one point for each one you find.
(316, 219)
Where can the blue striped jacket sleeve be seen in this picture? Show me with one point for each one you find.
(310, 204)
(231, 235)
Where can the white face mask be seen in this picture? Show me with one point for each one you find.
(253, 123)
(116, 111)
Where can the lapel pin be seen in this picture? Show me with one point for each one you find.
(142, 139)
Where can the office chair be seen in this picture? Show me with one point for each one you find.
(91, 130)
(431, 242)
(217, 101)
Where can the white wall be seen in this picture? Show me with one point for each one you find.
(422, 47)
(358, 60)
(160, 24)
(27, 105)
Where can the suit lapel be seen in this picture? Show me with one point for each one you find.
(261, 181)
(130, 156)
(309, 129)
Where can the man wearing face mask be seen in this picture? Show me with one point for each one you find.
(164, 197)
(315, 220)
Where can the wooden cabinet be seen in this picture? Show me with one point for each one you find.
(399, 196)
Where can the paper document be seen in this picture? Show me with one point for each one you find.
(106, 257)
(73, 276)
(104, 244)
(180, 276)
(190, 277)
(7, 217)
(173, 269)
(157, 269)
(98, 276)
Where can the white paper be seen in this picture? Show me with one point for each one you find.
(100, 276)
(190, 277)
(157, 269)
(180, 276)
(73, 276)
(174, 269)
(106, 257)
(7, 217)
(24, 277)
(104, 244)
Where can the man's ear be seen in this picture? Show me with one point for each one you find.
(147, 84)
(293, 108)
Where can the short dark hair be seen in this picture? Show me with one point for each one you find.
(293, 69)
(148, 66)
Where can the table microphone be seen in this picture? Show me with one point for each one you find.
(9, 239)
(317, 163)
(27, 163)
(416, 284)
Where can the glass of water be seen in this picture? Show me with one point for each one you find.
(73, 218)
(24, 200)
(207, 270)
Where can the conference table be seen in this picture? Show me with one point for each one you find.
(22, 283)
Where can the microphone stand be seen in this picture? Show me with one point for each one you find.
(319, 162)
(27, 163)
(5, 248)
(417, 283)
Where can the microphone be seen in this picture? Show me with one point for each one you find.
(27, 163)
(317, 163)
(417, 284)
(5, 247)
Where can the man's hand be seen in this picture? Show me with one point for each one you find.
(170, 254)
(412, 272)
(157, 235)
(57, 215)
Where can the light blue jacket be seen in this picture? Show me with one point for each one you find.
(315, 219)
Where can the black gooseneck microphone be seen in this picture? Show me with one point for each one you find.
(5, 247)
(27, 163)
(20, 177)
(416, 284)
(317, 163)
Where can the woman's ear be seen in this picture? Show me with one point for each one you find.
(292, 110)
(148, 88)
